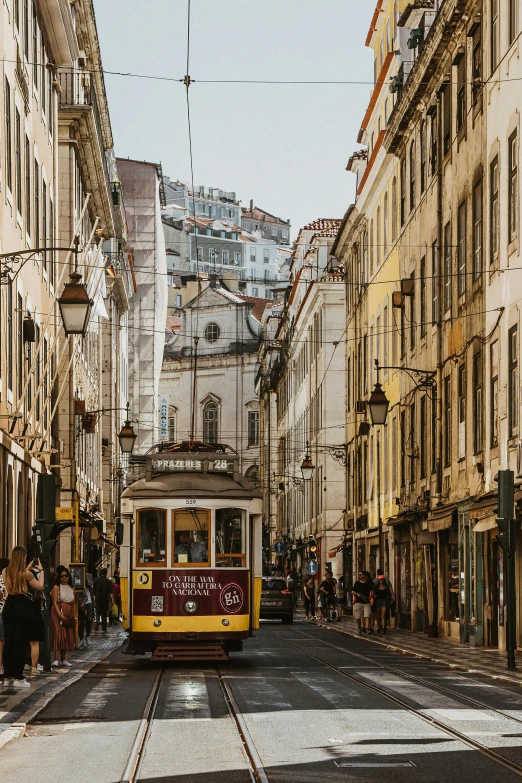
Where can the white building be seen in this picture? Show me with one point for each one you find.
(226, 407)
(143, 190)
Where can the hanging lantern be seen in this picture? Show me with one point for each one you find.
(75, 306)
(127, 437)
(378, 405)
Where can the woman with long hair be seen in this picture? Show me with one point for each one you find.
(62, 618)
(18, 614)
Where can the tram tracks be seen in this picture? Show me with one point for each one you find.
(130, 774)
(489, 753)
(253, 762)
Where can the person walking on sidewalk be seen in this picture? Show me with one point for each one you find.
(18, 614)
(309, 598)
(383, 594)
(327, 595)
(63, 618)
(103, 598)
(362, 610)
(84, 617)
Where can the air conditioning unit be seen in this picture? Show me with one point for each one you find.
(82, 59)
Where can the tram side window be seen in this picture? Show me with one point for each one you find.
(230, 537)
(191, 533)
(152, 526)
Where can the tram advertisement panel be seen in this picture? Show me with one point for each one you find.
(215, 591)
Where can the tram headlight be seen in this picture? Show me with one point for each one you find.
(225, 622)
(190, 607)
(157, 623)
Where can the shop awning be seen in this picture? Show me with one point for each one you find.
(483, 507)
(441, 519)
(485, 524)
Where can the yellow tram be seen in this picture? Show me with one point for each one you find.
(191, 555)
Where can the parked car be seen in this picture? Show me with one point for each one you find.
(276, 600)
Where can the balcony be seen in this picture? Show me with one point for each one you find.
(77, 103)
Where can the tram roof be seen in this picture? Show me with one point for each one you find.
(195, 485)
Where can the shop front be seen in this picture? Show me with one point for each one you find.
(443, 525)
(489, 584)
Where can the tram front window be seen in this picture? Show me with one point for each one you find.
(152, 523)
(191, 532)
(230, 537)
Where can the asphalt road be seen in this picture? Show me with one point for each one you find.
(316, 706)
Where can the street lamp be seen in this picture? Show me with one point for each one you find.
(378, 405)
(307, 466)
(127, 436)
(75, 305)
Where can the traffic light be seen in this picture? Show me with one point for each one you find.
(506, 496)
(43, 530)
(312, 548)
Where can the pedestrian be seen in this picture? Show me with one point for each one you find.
(18, 614)
(37, 629)
(115, 613)
(309, 598)
(362, 609)
(103, 599)
(327, 595)
(63, 618)
(340, 594)
(383, 595)
(4, 562)
(85, 616)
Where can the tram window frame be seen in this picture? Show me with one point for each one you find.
(184, 510)
(243, 556)
(151, 563)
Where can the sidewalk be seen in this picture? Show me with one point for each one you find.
(479, 660)
(20, 705)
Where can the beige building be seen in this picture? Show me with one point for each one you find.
(31, 347)
(438, 207)
(301, 384)
(62, 398)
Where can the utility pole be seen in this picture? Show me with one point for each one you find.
(507, 540)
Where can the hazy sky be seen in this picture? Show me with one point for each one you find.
(285, 146)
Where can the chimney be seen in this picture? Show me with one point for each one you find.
(251, 205)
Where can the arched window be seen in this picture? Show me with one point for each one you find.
(385, 225)
(210, 422)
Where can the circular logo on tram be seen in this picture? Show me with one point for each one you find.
(231, 598)
(142, 578)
